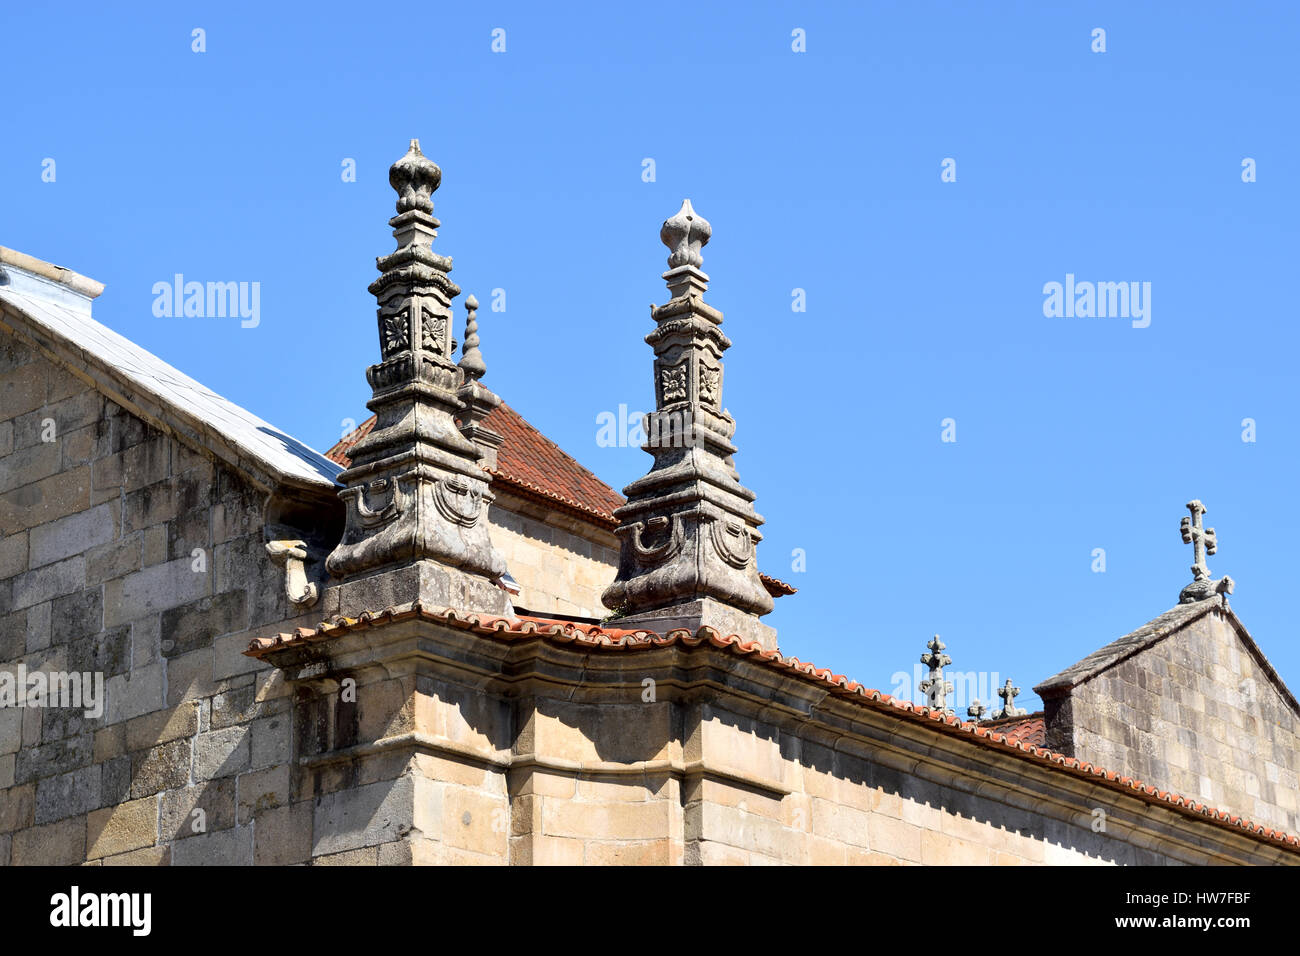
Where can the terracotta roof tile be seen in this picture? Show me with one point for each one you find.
(529, 462)
(1028, 730)
(593, 637)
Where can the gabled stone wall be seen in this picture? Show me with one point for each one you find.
(1197, 713)
(126, 553)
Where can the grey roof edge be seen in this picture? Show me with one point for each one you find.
(154, 406)
(1152, 633)
(82, 285)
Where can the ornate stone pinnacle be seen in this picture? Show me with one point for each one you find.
(415, 492)
(976, 710)
(471, 359)
(415, 177)
(1009, 708)
(688, 535)
(685, 234)
(936, 688)
(1204, 542)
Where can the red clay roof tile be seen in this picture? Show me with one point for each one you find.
(593, 637)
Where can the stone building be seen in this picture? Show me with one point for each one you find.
(447, 642)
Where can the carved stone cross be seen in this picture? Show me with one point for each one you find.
(1009, 708)
(976, 710)
(936, 688)
(1203, 542)
(1201, 538)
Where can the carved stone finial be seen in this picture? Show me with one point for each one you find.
(685, 234)
(471, 359)
(936, 688)
(415, 177)
(415, 491)
(976, 710)
(688, 535)
(1008, 694)
(1204, 542)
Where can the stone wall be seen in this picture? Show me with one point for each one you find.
(1195, 713)
(126, 553)
(561, 564)
(461, 747)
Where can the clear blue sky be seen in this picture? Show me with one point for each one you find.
(819, 170)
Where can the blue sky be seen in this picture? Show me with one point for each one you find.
(819, 171)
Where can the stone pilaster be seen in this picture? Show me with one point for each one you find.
(689, 532)
(415, 491)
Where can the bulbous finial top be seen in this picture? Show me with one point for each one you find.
(685, 234)
(415, 177)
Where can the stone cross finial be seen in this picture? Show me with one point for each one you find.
(976, 710)
(471, 359)
(1204, 542)
(936, 688)
(685, 234)
(1008, 694)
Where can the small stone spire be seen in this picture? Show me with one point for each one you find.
(471, 359)
(415, 491)
(688, 534)
(479, 401)
(1204, 542)
(1009, 708)
(936, 688)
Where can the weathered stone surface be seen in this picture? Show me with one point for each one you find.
(216, 800)
(128, 826)
(67, 794)
(194, 625)
(72, 535)
(55, 844)
(77, 615)
(60, 756)
(221, 753)
(164, 767)
(153, 590)
(134, 694)
(261, 791)
(283, 835)
(159, 727)
(232, 847)
(363, 816)
(49, 582)
(13, 554)
(46, 500)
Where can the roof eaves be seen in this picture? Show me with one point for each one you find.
(588, 637)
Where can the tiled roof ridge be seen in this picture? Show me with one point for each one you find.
(596, 637)
(530, 488)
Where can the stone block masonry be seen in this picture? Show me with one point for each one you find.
(125, 551)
